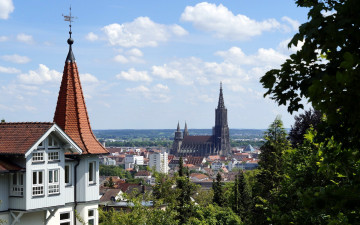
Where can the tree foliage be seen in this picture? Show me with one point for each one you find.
(321, 179)
(218, 191)
(310, 118)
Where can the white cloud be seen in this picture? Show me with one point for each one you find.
(121, 59)
(140, 33)
(88, 78)
(168, 72)
(132, 56)
(6, 7)
(16, 58)
(135, 52)
(9, 70)
(28, 39)
(91, 37)
(283, 47)
(134, 75)
(206, 98)
(263, 57)
(293, 23)
(224, 24)
(157, 93)
(3, 38)
(40, 76)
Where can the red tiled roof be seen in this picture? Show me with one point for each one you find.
(196, 139)
(17, 138)
(6, 166)
(71, 114)
(195, 160)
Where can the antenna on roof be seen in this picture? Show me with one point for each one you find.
(70, 19)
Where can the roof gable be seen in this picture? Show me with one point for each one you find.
(23, 138)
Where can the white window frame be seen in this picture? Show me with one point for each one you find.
(53, 156)
(53, 181)
(17, 184)
(67, 220)
(37, 187)
(52, 142)
(38, 156)
(92, 217)
(92, 172)
(69, 175)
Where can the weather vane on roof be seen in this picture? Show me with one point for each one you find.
(70, 19)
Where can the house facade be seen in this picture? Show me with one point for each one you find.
(50, 170)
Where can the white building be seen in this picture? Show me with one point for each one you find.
(132, 160)
(49, 170)
(108, 161)
(159, 161)
(217, 165)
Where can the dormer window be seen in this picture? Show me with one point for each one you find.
(38, 157)
(52, 142)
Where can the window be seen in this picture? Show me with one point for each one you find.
(53, 156)
(41, 145)
(38, 156)
(52, 142)
(65, 218)
(67, 175)
(54, 181)
(17, 184)
(91, 216)
(38, 183)
(92, 172)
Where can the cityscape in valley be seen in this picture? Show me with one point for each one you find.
(66, 171)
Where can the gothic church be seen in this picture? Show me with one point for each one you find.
(216, 144)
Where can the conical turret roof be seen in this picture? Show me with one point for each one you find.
(71, 113)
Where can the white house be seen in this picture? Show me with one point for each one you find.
(49, 170)
(159, 161)
(131, 160)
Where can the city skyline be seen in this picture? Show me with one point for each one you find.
(146, 64)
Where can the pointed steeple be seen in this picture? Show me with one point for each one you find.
(71, 114)
(221, 103)
(178, 127)
(186, 132)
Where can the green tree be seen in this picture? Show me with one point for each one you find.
(241, 204)
(270, 170)
(218, 191)
(322, 175)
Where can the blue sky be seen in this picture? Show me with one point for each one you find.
(147, 64)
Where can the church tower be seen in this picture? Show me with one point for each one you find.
(221, 130)
(177, 140)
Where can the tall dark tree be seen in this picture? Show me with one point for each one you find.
(185, 188)
(218, 191)
(270, 169)
(242, 196)
(310, 118)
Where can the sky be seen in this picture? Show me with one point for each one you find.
(147, 64)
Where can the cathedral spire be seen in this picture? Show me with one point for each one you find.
(186, 132)
(221, 103)
(71, 114)
(178, 127)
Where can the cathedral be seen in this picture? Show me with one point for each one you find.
(216, 144)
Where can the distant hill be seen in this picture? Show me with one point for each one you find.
(128, 134)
